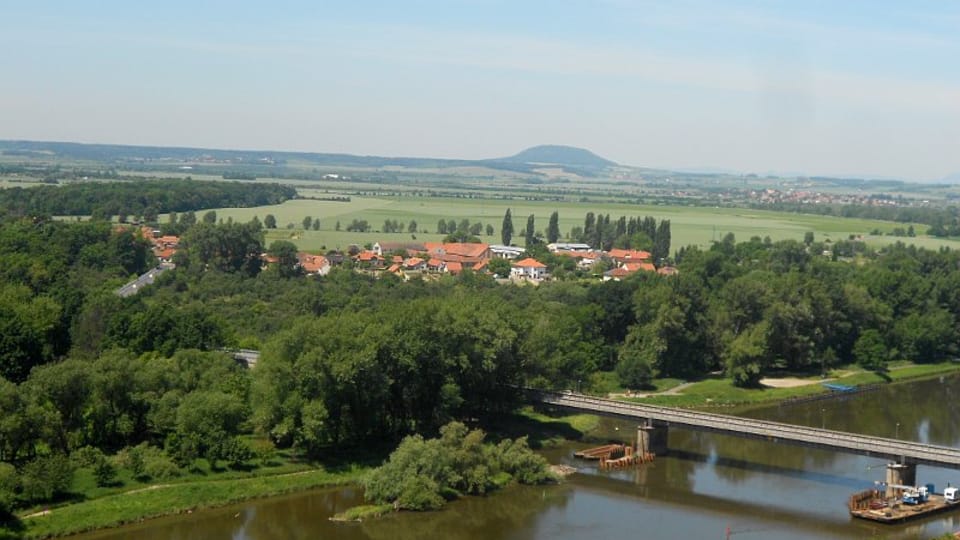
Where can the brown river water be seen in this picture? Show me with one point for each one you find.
(708, 486)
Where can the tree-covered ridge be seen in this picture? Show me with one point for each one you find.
(49, 273)
(139, 199)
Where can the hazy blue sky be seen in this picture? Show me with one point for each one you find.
(832, 87)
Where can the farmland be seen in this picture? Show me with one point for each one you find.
(690, 225)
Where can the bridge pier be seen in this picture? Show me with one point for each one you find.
(900, 474)
(652, 438)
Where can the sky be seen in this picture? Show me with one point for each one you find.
(848, 88)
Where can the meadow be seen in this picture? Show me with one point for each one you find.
(690, 225)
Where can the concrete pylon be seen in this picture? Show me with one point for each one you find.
(900, 474)
(652, 438)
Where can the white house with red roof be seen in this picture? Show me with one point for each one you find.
(529, 268)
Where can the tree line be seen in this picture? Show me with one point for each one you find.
(143, 199)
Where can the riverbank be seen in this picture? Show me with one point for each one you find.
(719, 391)
(172, 499)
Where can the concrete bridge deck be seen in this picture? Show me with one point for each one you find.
(894, 450)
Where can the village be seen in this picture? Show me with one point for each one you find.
(408, 260)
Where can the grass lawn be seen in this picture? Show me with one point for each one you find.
(720, 392)
(130, 499)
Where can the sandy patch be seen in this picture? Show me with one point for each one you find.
(790, 382)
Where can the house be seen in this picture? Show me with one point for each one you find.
(455, 268)
(668, 271)
(436, 265)
(369, 259)
(563, 246)
(385, 248)
(637, 266)
(621, 256)
(529, 268)
(616, 274)
(467, 254)
(313, 265)
(585, 259)
(165, 254)
(506, 252)
(415, 263)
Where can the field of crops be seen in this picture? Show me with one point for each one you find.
(689, 225)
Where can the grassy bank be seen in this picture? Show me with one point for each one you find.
(169, 499)
(720, 392)
(542, 429)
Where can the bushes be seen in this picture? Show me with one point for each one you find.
(46, 477)
(421, 474)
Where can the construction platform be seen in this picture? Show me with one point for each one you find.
(872, 505)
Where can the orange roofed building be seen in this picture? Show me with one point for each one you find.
(468, 255)
(529, 268)
(316, 265)
(622, 256)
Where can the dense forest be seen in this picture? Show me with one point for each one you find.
(137, 199)
(353, 359)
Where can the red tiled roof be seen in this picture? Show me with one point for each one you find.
(394, 268)
(311, 263)
(529, 262)
(629, 254)
(435, 263)
(617, 272)
(668, 271)
(454, 267)
(367, 256)
(413, 261)
(457, 248)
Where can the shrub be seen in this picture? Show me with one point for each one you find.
(46, 477)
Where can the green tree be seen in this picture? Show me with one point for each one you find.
(412, 226)
(45, 477)
(500, 267)
(635, 367)
(288, 263)
(529, 236)
(553, 229)
(746, 356)
(210, 217)
(307, 222)
(870, 350)
(661, 242)
(270, 221)
(506, 230)
(489, 230)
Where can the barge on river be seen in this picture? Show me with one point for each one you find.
(875, 506)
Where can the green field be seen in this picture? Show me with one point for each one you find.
(689, 225)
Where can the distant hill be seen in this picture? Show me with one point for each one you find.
(951, 178)
(267, 162)
(559, 155)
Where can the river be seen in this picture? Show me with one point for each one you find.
(708, 486)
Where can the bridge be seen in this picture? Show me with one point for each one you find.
(902, 455)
